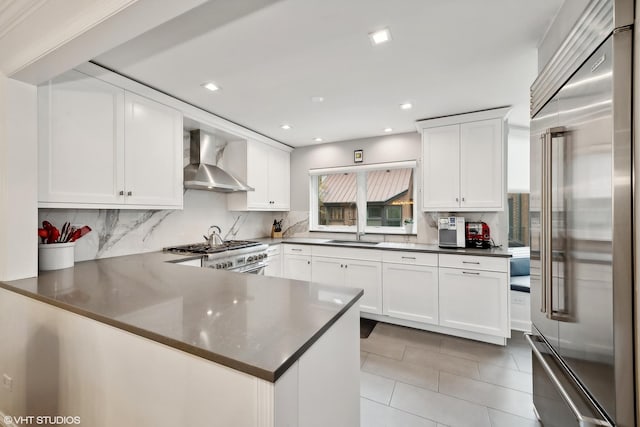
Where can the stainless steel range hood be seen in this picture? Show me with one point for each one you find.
(202, 173)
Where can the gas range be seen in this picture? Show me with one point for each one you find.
(242, 256)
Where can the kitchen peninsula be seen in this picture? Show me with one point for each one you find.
(142, 340)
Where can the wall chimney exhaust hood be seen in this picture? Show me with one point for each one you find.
(202, 173)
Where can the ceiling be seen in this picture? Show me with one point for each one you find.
(271, 57)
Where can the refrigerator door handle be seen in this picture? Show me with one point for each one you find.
(585, 421)
(543, 225)
(547, 218)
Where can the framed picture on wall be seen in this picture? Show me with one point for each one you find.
(358, 156)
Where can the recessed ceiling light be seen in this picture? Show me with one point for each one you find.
(406, 106)
(286, 126)
(317, 99)
(318, 139)
(211, 86)
(388, 129)
(381, 36)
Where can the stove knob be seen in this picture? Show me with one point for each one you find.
(218, 266)
(249, 259)
(264, 256)
(229, 264)
(261, 256)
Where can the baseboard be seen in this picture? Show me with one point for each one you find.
(439, 329)
(520, 325)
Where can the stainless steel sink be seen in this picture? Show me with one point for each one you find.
(352, 242)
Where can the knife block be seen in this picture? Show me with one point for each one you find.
(276, 234)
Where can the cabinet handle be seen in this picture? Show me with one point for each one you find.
(341, 266)
(457, 199)
(296, 250)
(408, 257)
(471, 272)
(308, 262)
(346, 266)
(129, 193)
(121, 192)
(463, 199)
(471, 262)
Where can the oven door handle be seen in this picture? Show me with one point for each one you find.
(257, 267)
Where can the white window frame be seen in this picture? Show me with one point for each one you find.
(361, 198)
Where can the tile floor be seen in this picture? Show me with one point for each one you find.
(416, 378)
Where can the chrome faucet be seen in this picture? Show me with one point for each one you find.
(359, 233)
(214, 238)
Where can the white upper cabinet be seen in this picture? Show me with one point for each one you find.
(441, 167)
(263, 167)
(80, 141)
(482, 165)
(153, 159)
(101, 146)
(463, 162)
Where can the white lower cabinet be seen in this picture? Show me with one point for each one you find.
(297, 262)
(274, 261)
(410, 292)
(353, 273)
(356, 268)
(474, 300)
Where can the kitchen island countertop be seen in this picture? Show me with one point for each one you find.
(254, 324)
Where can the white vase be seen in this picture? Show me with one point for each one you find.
(56, 256)
(408, 228)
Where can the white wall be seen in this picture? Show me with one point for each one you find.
(518, 160)
(381, 149)
(18, 179)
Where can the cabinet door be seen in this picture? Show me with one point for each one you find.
(474, 300)
(482, 165)
(81, 140)
(153, 153)
(410, 292)
(279, 183)
(441, 168)
(328, 271)
(368, 276)
(258, 176)
(297, 267)
(274, 267)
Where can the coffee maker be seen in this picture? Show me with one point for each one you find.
(477, 235)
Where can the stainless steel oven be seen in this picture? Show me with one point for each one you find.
(237, 256)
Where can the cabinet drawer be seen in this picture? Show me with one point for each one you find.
(347, 253)
(273, 250)
(413, 258)
(297, 249)
(472, 262)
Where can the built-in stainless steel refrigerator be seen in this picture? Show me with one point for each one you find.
(582, 225)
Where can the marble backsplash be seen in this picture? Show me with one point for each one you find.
(123, 232)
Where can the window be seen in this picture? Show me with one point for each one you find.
(383, 196)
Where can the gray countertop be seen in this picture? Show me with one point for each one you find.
(392, 246)
(255, 324)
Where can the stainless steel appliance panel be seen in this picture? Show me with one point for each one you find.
(546, 119)
(581, 225)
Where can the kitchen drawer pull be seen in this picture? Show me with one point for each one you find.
(121, 192)
(129, 193)
(475, 273)
(409, 257)
(296, 250)
(584, 420)
(471, 262)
